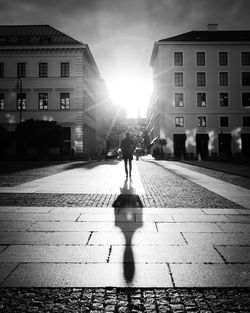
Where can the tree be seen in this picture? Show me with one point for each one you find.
(6, 139)
(41, 135)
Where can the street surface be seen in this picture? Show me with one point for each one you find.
(84, 225)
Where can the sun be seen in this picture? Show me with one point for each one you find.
(132, 93)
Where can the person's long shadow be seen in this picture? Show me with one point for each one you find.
(128, 217)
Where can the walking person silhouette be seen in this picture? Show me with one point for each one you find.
(127, 147)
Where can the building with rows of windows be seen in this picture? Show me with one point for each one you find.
(201, 97)
(47, 75)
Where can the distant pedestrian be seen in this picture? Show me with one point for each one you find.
(127, 147)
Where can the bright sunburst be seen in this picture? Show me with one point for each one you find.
(132, 93)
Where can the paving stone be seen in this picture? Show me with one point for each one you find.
(217, 238)
(234, 227)
(137, 238)
(160, 254)
(235, 254)
(92, 226)
(108, 217)
(239, 218)
(15, 225)
(44, 238)
(185, 218)
(87, 275)
(19, 209)
(5, 270)
(38, 217)
(188, 227)
(210, 275)
(62, 254)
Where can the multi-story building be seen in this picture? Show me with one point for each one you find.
(47, 75)
(201, 97)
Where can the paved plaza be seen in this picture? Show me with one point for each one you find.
(170, 226)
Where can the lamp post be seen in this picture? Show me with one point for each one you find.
(19, 87)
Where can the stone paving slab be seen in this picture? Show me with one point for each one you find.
(138, 238)
(217, 238)
(14, 209)
(91, 226)
(235, 254)
(86, 275)
(234, 227)
(185, 218)
(6, 269)
(39, 216)
(168, 254)
(210, 275)
(188, 227)
(15, 225)
(44, 238)
(56, 254)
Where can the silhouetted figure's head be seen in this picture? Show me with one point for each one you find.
(127, 134)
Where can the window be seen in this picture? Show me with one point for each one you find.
(65, 69)
(245, 58)
(201, 79)
(43, 69)
(21, 99)
(178, 59)
(223, 78)
(178, 99)
(223, 60)
(64, 101)
(1, 70)
(179, 121)
(178, 79)
(223, 99)
(246, 121)
(21, 69)
(2, 101)
(201, 99)
(245, 79)
(200, 59)
(202, 121)
(223, 121)
(43, 101)
(246, 99)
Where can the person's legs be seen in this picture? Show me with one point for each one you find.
(126, 166)
(130, 167)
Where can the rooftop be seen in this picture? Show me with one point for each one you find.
(208, 35)
(34, 35)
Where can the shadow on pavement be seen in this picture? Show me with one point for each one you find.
(128, 203)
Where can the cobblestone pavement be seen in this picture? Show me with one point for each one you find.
(161, 191)
(96, 300)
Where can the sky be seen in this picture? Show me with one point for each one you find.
(121, 33)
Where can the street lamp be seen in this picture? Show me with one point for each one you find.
(19, 87)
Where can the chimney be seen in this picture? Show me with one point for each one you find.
(212, 27)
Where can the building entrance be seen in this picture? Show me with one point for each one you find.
(202, 144)
(245, 144)
(179, 145)
(225, 150)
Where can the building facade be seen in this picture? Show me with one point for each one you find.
(47, 75)
(201, 97)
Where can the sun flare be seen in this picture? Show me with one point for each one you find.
(132, 93)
